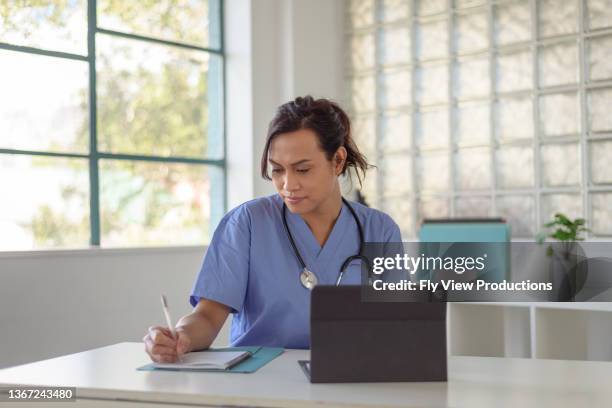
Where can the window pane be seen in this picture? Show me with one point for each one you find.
(520, 214)
(469, 3)
(557, 17)
(363, 95)
(364, 132)
(51, 25)
(153, 99)
(432, 39)
(472, 78)
(396, 46)
(471, 31)
(433, 207)
(473, 170)
(600, 66)
(397, 132)
(511, 158)
(369, 189)
(434, 169)
(473, 124)
(397, 175)
(602, 214)
(433, 129)
(558, 64)
(397, 88)
(477, 207)
(430, 6)
(568, 204)
(361, 52)
(506, 123)
(601, 166)
(361, 13)
(512, 22)
(401, 210)
(600, 13)
(600, 119)
(44, 103)
(560, 164)
(433, 84)
(195, 22)
(514, 71)
(47, 205)
(559, 114)
(144, 203)
(394, 10)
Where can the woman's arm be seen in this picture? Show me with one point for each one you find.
(196, 331)
(203, 324)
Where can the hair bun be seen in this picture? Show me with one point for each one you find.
(328, 121)
(303, 101)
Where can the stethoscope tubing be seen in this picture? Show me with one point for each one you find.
(348, 260)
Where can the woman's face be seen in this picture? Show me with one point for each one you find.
(301, 172)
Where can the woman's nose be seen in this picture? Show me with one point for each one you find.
(290, 182)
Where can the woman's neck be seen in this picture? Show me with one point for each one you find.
(322, 220)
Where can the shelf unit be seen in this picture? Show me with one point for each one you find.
(563, 331)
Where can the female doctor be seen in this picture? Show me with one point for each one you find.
(267, 253)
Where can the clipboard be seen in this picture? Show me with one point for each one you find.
(260, 356)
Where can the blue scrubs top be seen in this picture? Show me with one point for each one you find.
(250, 267)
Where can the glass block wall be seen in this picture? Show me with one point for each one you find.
(474, 108)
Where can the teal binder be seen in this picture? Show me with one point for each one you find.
(491, 236)
(260, 356)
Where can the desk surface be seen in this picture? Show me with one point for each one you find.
(109, 373)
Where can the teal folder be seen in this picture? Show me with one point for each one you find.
(489, 236)
(260, 356)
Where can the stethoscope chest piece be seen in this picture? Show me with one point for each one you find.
(309, 279)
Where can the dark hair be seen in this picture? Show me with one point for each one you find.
(329, 122)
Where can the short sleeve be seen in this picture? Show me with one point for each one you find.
(225, 270)
(392, 231)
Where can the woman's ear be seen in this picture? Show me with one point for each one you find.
(339, 160)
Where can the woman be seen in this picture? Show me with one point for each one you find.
(251, 268)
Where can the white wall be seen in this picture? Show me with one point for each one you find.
(54, 303)
(276, 50)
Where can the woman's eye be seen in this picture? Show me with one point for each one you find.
(276, 170)
(303, 170)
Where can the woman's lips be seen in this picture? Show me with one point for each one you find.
(294, 200)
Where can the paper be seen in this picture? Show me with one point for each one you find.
(217, 360)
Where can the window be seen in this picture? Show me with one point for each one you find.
(111, 123)
(484, 108)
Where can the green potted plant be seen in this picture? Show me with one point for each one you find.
(567, 274)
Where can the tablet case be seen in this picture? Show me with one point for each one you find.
(356, 341)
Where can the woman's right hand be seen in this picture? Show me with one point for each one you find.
(162, 347)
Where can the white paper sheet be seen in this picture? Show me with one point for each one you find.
(216, 360)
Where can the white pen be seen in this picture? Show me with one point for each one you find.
(168, 319)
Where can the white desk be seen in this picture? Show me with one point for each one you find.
(107, 377)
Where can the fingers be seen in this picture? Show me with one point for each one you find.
(161, 355)
(158, 349)
(164, 358)
(183, 343)
(160, 345)
(162, 335)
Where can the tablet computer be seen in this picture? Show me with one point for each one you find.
(356, 341)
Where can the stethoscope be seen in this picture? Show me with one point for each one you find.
(308, 278)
